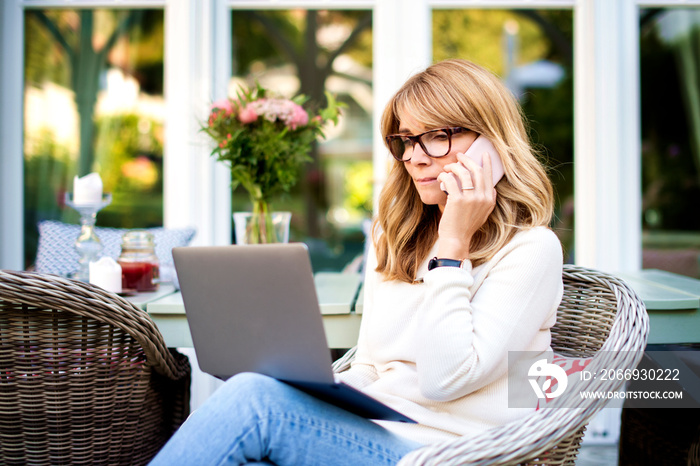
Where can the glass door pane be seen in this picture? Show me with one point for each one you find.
(532, 50)
(670, 102)
(93, 100)
(310, 52)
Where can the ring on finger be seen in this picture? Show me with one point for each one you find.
(468, 189)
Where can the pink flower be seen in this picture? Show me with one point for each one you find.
(283, 110)
(248, 114)
(224, 104)
(299, 117)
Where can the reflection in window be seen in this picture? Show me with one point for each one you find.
(93, 102)
(309, 52)
(532, 51)
(670, 87)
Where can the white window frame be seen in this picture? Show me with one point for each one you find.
(11, 150)
(607, 157)
(197, 66)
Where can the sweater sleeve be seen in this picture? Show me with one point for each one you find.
(464, 340)
(362, 371)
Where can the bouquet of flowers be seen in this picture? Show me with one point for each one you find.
(265, 140)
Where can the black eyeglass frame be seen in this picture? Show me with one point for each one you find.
(450, 130)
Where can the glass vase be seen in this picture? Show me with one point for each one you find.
(261, 227)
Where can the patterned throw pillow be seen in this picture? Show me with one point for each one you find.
(56, 252)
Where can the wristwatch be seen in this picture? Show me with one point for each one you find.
(435, 262)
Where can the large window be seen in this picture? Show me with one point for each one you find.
(532, 51)
(93, 99)
(311, 52)
(670, 84)
(88, 83)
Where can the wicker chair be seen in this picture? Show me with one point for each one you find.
(85, 377)
(599, 317)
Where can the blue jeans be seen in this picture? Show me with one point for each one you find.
(253, 418)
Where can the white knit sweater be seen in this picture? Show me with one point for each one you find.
(438, 351)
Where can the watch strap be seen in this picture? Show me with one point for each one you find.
(435, 262)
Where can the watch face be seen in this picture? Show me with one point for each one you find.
(432, 263)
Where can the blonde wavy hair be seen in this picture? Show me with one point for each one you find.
(458, 93)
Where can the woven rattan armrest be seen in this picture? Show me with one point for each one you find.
(86, 377)
(85, 299)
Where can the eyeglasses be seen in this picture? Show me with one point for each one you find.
(435, 143)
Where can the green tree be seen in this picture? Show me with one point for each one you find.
(87, 60)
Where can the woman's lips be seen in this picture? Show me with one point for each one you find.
(425, 181)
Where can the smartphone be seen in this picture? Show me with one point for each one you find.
(475, 152)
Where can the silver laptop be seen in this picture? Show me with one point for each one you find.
(253, 308)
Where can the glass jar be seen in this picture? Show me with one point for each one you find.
(140, 267)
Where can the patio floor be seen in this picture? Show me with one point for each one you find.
(597, 455)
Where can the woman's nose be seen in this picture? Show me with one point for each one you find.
(418, 155)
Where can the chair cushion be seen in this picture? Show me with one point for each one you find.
(56, 252)
(572, 367)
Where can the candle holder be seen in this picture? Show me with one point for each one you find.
(87, 244)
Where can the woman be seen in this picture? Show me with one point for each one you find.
(459, 274)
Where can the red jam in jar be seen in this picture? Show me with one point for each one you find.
(140, 268)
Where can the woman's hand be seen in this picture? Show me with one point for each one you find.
(471, 198)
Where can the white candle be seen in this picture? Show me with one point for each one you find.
(87, 190)
(106, 273)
